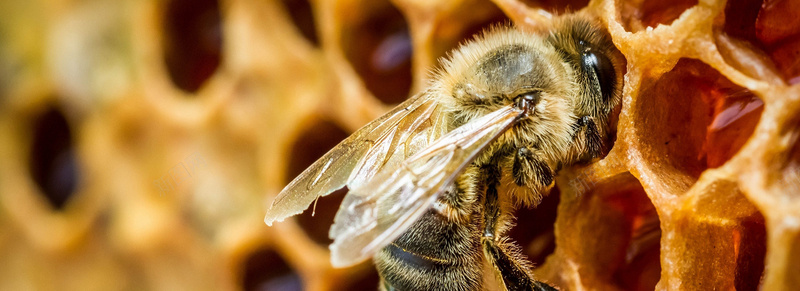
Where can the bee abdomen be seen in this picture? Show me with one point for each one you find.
(434, 254)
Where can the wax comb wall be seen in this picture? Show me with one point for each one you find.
(141, 141)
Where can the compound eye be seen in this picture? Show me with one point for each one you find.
(599, 65)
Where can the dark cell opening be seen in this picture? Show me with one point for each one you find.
(317, 140)
(534, 229)
(772, 28)
(778, 28)
(641, 265)
(468, 24)
(752, 240)
(265, 270)
(613, 229)
(311, 145)
(378, 45)
(696, 117)
(366, 281)
(556, 6)
(317, 219)
(53, 164)
(192, 42)
(740, 19)
(302, 15)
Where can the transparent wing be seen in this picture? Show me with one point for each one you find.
(378, 211)
(383, 143)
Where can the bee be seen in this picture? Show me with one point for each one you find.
(434, 182)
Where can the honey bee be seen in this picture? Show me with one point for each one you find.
(434, 182)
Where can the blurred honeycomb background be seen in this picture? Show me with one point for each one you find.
(142, 141)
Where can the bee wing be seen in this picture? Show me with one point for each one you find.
(378, 211)
(384, 142)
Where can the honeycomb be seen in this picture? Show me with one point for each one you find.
(142, 141)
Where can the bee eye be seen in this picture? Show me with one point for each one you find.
(602, 68)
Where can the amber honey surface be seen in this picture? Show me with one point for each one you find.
(141, 142)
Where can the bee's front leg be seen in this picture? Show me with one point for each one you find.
(592, 141)
(530, 170)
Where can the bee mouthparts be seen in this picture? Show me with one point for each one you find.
(527, 102)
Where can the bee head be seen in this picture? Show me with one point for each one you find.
(597, 63)
(502, 67)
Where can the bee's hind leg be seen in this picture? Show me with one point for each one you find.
(506, 257)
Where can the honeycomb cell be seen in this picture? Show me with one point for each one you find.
(302, 15)
(53, 164)
(772, 27)
(740, 19)
(619, 233)
(317, 220)
(693, 118)
(315, 141)
(378, 46)
(786, 55)
(534, 229)
(192, 42)
(265, 270)
(777, 20)
(466, 23)
(721, 238)
(638, 15)
(641, 268)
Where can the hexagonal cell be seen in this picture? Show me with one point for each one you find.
(772, 28)
(557, 7)
(641, 267)
(638, 14)
(778, 28)
(302, 15)
(719, 236)
(376, 41)
(317, 220)
(738, 44)
(266, 270)
(464, 24)
(534, 229)
(192, 42)
(693, 118)
(310, 146)
(53, 164)
(613, 232)
(740, 18)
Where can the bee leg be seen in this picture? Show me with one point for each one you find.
(505, 256)
(530, 170)
(592, 140)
